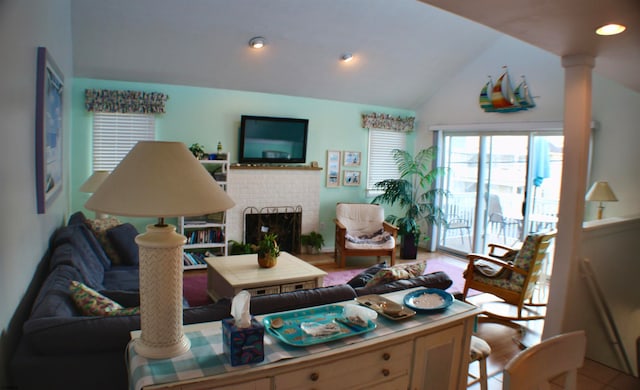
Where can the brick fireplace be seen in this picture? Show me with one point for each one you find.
(264, 187)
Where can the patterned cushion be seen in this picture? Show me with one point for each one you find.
(92, 303)
(515, 281)
(363, 277)
(397, 272)
(99, 227)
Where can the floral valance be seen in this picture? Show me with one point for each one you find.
(126, 102)
(388, 122)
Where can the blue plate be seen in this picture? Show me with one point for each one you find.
(415, 300)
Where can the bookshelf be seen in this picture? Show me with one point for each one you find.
(206, 234)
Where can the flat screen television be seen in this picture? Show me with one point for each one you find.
(270, 140)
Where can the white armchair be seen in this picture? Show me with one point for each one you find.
(362, 231)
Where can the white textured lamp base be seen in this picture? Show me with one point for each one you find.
(161, 335)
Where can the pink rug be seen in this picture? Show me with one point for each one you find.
(195, 286)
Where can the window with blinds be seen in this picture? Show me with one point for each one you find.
(381, 163)
(114, 135)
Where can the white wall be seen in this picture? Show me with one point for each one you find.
(25, 25)
(609, 245)
(615, 159)
(457, 101)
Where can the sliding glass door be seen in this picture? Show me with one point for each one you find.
(502, 187)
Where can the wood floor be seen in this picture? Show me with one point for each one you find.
(505, 341)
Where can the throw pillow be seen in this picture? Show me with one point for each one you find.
(92, 303)
(397, 272)
(123, 240)
(363, 277)
(99, 228)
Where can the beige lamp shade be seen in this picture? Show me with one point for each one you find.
(159, 179)
(94, 181)
(601, 192)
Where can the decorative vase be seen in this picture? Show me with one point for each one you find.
(267, 261)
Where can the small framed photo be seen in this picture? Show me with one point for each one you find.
(351, 159)
(351, 178)
(333, 168)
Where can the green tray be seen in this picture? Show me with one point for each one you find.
(291, 333)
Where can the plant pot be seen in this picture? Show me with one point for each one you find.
(312, 250)
(408, 247)
(267, 261)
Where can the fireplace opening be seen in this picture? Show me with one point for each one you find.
(283, 221)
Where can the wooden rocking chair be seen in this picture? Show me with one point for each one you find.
(513, 282)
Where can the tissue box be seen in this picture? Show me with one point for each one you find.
(243, 345)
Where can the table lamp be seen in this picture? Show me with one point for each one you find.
(601, 192)
(160, 179)
(91, 185)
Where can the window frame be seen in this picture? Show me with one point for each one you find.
(380, 162)
(114, 134)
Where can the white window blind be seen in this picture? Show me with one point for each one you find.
(115, 134)
(381, 163)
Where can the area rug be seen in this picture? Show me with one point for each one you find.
(195, 284)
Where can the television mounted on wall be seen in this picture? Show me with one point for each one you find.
(271, 140)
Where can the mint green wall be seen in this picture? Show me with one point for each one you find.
(206, 116)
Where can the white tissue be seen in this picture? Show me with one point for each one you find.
(240, 309)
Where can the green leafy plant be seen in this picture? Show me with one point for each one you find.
(197, 150)
(239, 248)
(268, 246)
(415, 193)
(312, 240)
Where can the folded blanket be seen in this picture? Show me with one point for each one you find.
(377, 237)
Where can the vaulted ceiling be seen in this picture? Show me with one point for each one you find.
(403, 49)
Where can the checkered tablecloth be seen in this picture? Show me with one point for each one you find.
(206, 357)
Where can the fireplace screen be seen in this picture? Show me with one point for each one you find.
(283, 221)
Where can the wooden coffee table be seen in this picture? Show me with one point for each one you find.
(228, 275)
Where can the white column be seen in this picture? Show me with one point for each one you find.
(577, 132)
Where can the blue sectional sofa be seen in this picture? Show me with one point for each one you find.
(62, 349)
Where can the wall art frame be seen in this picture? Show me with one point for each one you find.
(351, 159)
(351, 178)
(333, 168)
(49, 130)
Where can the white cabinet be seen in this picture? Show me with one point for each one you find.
(440, 361)
(206, 234)
(378, 367)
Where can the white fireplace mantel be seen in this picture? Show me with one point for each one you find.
(261, 188)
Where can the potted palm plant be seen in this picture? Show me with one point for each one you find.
(268, 251)
(414, 192)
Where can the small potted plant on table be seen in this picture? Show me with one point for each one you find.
(268, 251)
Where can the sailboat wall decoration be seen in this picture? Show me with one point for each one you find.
(501, 97)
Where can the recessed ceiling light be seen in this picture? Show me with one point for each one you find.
(257, 42)
(346, 57)
(610, 29)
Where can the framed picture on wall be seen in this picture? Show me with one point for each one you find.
(351, 178)
(49, 88)
(351, 159)
(333, 168)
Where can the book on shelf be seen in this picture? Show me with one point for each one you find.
(194, 258)
(205, 236)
